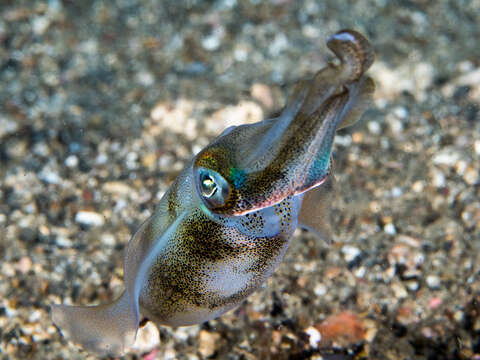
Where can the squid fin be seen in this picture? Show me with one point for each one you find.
(314, 214)
(361, 98)
(104, 329)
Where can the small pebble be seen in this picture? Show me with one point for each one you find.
(71, 161)
(433, 281)
(395, 124)
(206, 343)
(390, 229)
(418, 186)
(240, 53)
(89, 218)
(262, 93)
(344, 141)
(461, 167)
(435, 302)
(40, 25)
(101, 159)
(458, 316)
(476, 325)
(149, 160)
(320, 289)
(8, 126)
(117, 187)
(24, 265)
(279, 44)
(7, 269)
(10, 310)
(357, 137)
(108, 240)
(476, 147)
(211, 42)
(374, 127)
(184, 333)
(400, 112)
(35, 316)
(311, 31)
(471, 176)
(438, 179)
(447, 156)
(145, 78)
(360, 272)
(63, 241)
(350, 252)
(397, 192)
(345, 327)
(148, 337)
(399, 290)
(131, 160)
(314, 336)
(412, 285)
(50, 176)
(471, 215)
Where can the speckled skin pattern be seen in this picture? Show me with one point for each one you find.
(225, 223)
(210, 264)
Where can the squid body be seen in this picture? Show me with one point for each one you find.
(225, 224)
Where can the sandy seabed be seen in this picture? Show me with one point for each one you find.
(103, 103)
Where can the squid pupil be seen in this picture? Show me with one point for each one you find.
(209, 188)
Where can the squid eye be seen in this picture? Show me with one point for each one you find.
(212, 187)
(208, 185)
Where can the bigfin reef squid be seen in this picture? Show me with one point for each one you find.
(225, 223)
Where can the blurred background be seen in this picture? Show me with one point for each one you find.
(102, 103)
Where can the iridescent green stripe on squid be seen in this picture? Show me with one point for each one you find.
(237, 177)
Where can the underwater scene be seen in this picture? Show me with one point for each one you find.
(239, 179)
